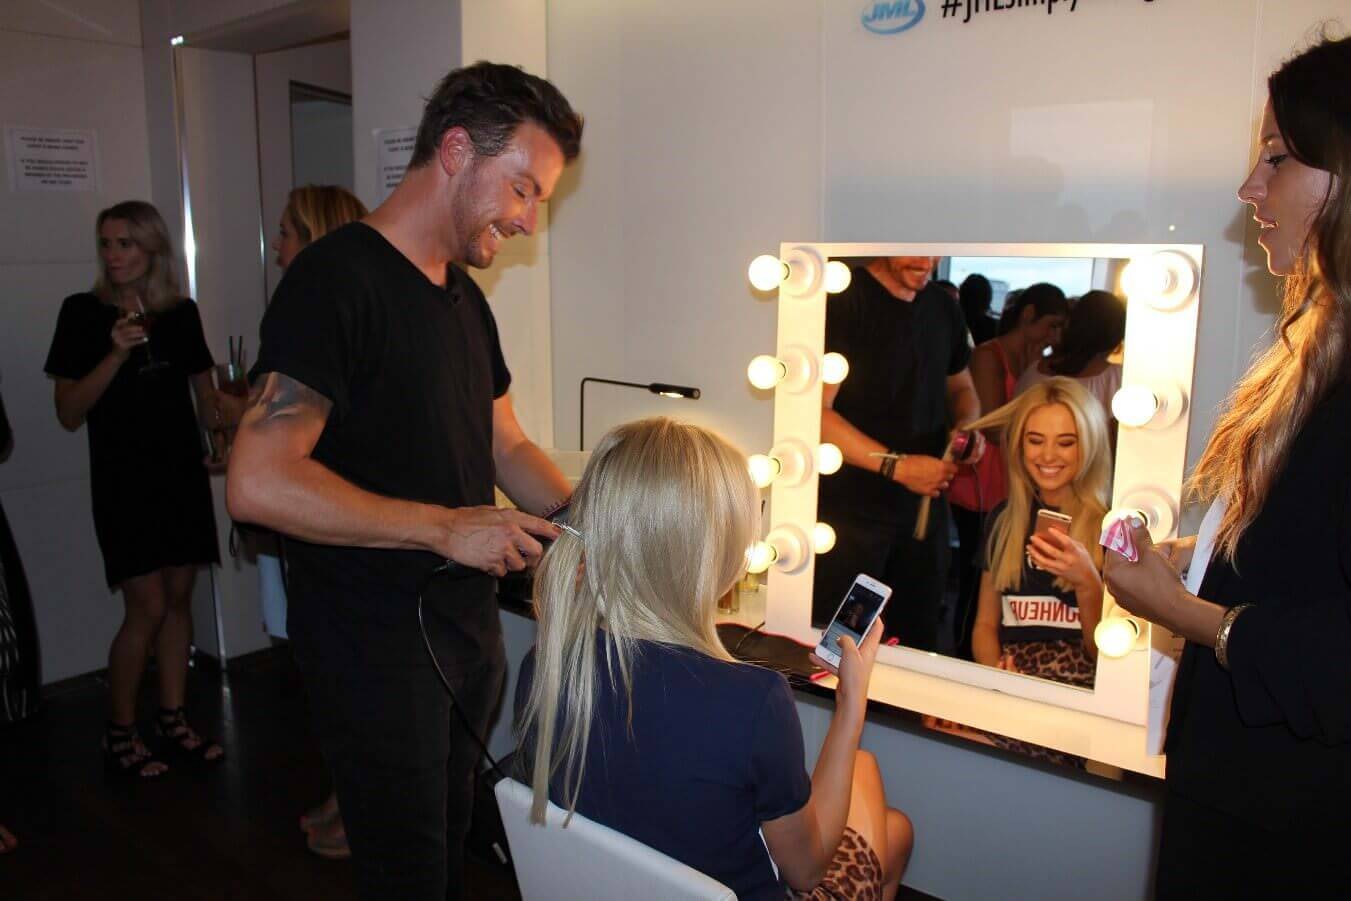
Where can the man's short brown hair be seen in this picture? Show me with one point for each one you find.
(490, 101)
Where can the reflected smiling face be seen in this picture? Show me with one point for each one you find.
(910, 273)
(501, 194)
(1285, 195)
(1050, 451)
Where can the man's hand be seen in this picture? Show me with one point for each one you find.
(494, 539)
(925, 476)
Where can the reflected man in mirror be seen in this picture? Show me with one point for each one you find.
(372, 443)
(908, 387)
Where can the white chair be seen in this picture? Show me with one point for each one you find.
(590, 861)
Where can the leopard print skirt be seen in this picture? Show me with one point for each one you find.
(1065, 662)
(855, 874)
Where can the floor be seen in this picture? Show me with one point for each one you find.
(230, 834)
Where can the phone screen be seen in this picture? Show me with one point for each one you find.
(856, 616)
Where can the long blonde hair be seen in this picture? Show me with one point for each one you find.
(666, 512)
(315, 210)
(159, 289)
(1088, 489)
(1271, 403)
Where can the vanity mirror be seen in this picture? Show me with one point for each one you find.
(876, 313)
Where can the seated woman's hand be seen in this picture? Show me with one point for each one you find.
(1065, 558)
(856, 667)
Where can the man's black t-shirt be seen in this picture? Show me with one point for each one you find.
(900, 354)
(412, 370)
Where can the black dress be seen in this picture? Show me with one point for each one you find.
(151, 494)
(1259, 757)
(19, 669)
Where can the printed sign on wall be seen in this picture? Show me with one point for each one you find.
(51, 159)
(393, 150)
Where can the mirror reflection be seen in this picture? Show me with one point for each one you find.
(978, 440)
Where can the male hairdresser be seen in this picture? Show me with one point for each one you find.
(372, 441)
(907, 347)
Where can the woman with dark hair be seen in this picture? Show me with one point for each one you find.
(1096, 328)
(1259, 738)
(123, 358)
(975, 295)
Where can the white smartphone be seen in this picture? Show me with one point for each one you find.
(856, 615)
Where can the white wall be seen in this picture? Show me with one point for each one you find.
(326, 65)
(717, 130)
(701, 151)
(399, 52)
(517, 284)
(73, 66)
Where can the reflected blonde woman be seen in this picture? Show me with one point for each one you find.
(1041, 594)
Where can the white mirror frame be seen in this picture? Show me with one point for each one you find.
(1160, 351)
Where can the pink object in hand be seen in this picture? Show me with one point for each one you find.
(1117, 536)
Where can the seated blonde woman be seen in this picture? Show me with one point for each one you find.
(1041, 595)
(633, 714)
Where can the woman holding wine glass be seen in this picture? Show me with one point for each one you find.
(123, 358)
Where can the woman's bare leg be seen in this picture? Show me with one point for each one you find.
(888, 832)
(143, 597)
(175, 636)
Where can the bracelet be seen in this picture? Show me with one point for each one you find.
(1222, 636)
(887, 469)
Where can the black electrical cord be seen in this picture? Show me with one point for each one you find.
(455, 571)
(749, 633)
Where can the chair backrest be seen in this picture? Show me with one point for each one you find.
(589, 861)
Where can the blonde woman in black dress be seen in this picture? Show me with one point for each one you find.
(123, 359)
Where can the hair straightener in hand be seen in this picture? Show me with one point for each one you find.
(452, 569)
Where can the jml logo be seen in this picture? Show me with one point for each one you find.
(894, 17)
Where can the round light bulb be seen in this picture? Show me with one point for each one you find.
(765, 371)
(823, 538)
(1144, 278)
(764, 470)
(834, 368)
(1134, 405)
(766, 272)
(760, 557)
(837, 277)
(1115, 636)
(829, 459)
(1165, 280)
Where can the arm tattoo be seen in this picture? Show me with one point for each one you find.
(282, 397)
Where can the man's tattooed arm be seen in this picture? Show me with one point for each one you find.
(279, 397)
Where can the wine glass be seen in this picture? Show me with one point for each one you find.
(146, 319)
